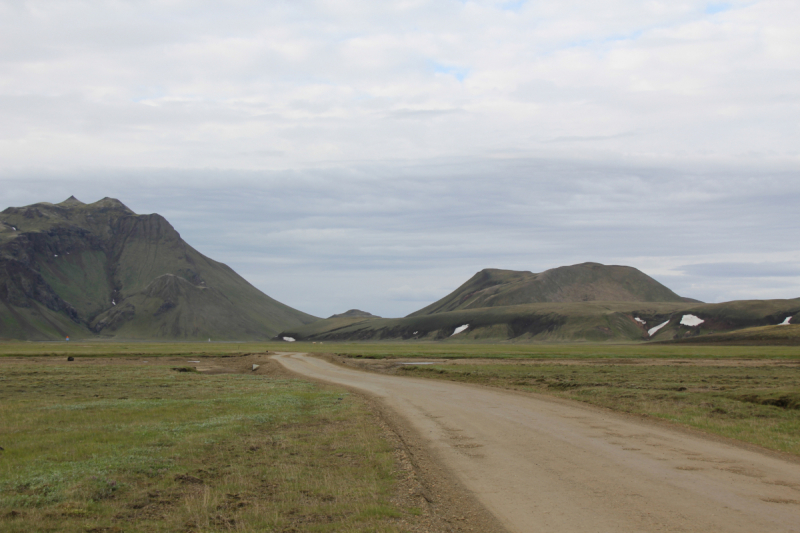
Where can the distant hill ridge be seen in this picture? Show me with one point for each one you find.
(84, 269)
(585, 282)
(354, 313)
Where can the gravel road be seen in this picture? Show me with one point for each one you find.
(541, 464)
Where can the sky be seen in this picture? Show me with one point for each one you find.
(356, 154)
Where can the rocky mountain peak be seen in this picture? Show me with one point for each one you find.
(71, 202)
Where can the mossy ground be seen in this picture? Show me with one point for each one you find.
(95, 447)
(547, 351)
(384, 350)
(101, 447)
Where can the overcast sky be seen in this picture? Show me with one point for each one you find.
(366, 154)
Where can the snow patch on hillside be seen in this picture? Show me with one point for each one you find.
(459, 329)
(288, 339)
(640, 321)
(652, 331)
(691, 320)
(785, 321)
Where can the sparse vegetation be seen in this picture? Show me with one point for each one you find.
(404, 349)
(104, 448)
(91, 446)
(551, 351)
(152, 349)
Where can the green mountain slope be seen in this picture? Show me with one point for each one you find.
(724, 317)
(591, 321)
(786, 335)
(83, 270)
(587, 282)
(558, 322)
(586, 302)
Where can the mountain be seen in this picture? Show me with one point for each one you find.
(781, 335)
(354, 313)
(586, 302)
(586, 282)
(563, 322)
(100, 269)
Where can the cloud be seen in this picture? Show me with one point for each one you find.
(191, 85)
(744, 270)
(391, 238)
(334, 152)
(423, 114)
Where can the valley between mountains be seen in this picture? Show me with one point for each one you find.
(102, 271)
(510, 430)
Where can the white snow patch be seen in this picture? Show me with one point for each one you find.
(255, 366)
(691, 320)
(640, 321)
(652, 331)
(113, 302)
(459, 329)
(417, 363)
(288, 339)
(55, 255)
(192, 361)
(12, 227)
(416, 332)
(785, 321)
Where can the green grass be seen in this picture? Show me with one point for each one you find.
(551, 351)
(101, 448)
(98, 348)
(404, 350)
(755, 404)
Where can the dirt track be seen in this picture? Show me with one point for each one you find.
(550, 465)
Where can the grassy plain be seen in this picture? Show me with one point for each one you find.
(585, 350)
(101, 446)
(399, 349)
(98, 447)
(100, 348)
